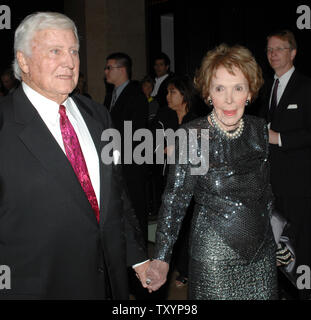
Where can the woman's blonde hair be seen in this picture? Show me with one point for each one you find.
(229, 57)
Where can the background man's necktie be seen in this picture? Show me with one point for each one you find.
(76, 158)
(274, 100)
(113, 98)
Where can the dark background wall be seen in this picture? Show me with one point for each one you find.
(19, 10)
(198, 27)
(201, 25)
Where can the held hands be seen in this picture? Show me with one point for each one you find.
(152, 274)
(141, 273)
(156, 274)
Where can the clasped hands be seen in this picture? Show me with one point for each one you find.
(152, 274)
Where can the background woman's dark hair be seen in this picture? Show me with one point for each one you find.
(185, 86)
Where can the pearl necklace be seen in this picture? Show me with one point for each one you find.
(231, 135)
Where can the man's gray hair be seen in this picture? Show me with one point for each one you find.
(30, 25)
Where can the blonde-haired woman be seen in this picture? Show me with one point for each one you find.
(232, 249)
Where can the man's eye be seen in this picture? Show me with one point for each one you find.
(55, 51)
(75, 52)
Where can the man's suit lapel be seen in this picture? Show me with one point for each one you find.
(40, 142)
(123, 94)
(96, 129)
(118, 109)
(283, 103)
(267, 93)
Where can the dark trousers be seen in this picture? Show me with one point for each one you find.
(297, 210)
(138, 195)
(136, 187)
(156, 187)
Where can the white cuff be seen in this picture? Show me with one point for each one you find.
(139, 264)
(280, 141)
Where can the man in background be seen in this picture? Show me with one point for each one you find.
(9, 82)
(162, 71)
(287, 108)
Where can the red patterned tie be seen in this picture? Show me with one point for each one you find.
(76, 158)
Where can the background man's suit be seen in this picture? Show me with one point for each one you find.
(162, 91)
(132, 105)
(291, 163)
(49, 235)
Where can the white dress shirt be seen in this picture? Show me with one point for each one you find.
(48, 111)
(157, 84)
(283, 81)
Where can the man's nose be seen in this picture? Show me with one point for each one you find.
(69, 60)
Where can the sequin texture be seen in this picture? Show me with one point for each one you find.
(232, 250)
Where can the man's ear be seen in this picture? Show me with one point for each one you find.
(22, 61)
(293, 54)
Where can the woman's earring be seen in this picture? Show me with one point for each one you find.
(210, 102)
(247, 102)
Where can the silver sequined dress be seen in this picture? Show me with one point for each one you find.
(232, 249)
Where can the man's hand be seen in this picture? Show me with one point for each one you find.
(141, 273)
(273, 137)
(156, 274)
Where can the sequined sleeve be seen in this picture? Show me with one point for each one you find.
(176, 198)
(266, 172)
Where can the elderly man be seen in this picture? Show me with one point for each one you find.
(64, 231)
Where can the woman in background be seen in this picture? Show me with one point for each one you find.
(147, 85)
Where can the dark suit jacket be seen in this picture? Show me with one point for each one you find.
(162, 92)
(291, 163)
(49, 236)
(132, 105)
